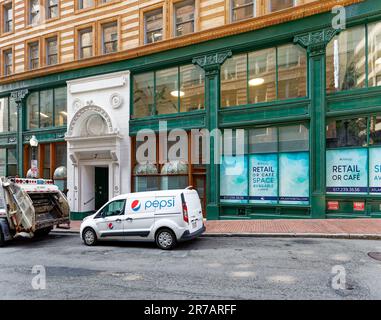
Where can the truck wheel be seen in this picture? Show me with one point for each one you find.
(89, 237)
(2, 241)
(43, 232)
(165, 239)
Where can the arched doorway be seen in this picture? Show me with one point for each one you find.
(94, 159)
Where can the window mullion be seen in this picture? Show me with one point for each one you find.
(154, 94)
(178, 89)
(366, 58)
(276, 74)
(6, 162)
(368, 153)
(247, 79)
(9, 112)
(39, 109)
(278, 167)
(54, 108)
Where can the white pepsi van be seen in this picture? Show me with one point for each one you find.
(166, 217)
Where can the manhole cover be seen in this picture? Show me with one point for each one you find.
(375, 255)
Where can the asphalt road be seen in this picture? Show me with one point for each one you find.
(207, 268)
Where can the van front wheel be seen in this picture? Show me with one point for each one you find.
(89, 237)
(165, 239)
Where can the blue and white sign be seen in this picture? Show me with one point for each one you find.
(263, 178)
(294, 182)
(375, 171)
(233, 179)
(347, 171)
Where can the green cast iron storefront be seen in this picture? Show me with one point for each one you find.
(328, 108)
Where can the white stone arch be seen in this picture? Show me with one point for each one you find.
(83, 114)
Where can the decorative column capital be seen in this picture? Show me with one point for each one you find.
(316, 41)
(19, 95)
(211, 62)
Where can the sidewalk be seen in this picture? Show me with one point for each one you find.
(327, 228)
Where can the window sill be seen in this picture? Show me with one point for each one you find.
(4, 34)
(79, 11)
(171, 115)
(273, 103)
(52, 19)
(101, 5)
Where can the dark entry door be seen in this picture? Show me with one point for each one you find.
(101, 186)
(200, 185)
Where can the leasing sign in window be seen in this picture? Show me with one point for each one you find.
(273, 170)
(354, 156)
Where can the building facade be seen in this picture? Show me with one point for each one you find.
(85, 77)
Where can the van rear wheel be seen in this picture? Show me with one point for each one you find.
(165, 239)
(89, 237)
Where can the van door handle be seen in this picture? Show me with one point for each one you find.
(118, 220)
(129, 219)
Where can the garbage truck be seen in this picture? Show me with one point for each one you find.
(30, 207)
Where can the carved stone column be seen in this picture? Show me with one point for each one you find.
(211, 63)
(19, 97)
(316, 43)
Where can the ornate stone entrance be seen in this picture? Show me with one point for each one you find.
(97, 143)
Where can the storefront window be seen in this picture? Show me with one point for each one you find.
(263, 140)
(61, 154)
(347, 133)
(234, 81)
(146, 177)
(46, 108)
(12, 115)
(292, 64)
(11, 162)
(3, 162)
(146, 183)
(60, 107)
(42, 105)
(353, 165)
(168, 91)
(4, 115)
(274, 170)
(191, 89)
(50, 156)
(46, 161)
(294, 164)
(144, 95)
(293, 138)
(374, 54)
(253, 78)
(174, 175)
(375, 130)
(262, 78)
(32, 104)
(8, 162)
(346, 60)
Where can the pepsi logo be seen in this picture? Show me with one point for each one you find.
(135, 205)
(110, 226)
